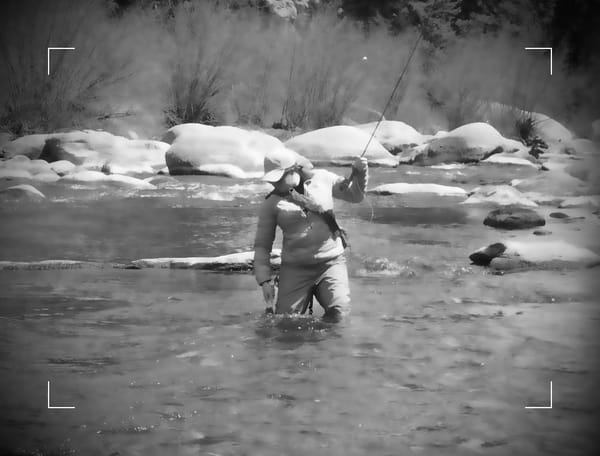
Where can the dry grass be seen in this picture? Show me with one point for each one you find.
(200, 62)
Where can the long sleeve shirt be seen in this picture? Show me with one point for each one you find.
(307, 239)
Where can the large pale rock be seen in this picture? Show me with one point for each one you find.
(517, 254)
(29, 146)
(503, 195)
(98, 177)
(186, 129)
(22, 167)
(395, 136)
(242, 261)
(136, 156)
(62, 167)
(580, 201)
(514, 218)
(339, 144)
(22, 192)
(469, 143)
(223, 150)
(509, 159)
(101, 150)
(14, 173)
(47, 177)
(405, 188)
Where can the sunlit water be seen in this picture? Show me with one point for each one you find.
(438, 357)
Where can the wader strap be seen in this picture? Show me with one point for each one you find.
(328, 216)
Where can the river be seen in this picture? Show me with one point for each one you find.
(438, 357)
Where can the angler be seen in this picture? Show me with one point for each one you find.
(312, 255)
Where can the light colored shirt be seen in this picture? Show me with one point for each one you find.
(307, 239)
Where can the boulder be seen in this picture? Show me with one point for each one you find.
(30, 146)
(509, 159)
(542, 232)
(136, 156)
(62, 167)
(340, 144)
(23, 165)
(469, 143)
(221, 150)
(22, 192)
(242, 261)
(404, 188)
(98, 177)
(503, 195)
(47, 177)
(580, 201)
(12, 173)
(395, 136)
(514, 218)
(186, 129)
(530, 254)
(97, 150)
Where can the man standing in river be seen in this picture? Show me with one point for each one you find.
(312, 256)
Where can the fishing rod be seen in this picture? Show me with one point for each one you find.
(381, 117)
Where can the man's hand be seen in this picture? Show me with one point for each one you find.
(268, 289)
(361, 165)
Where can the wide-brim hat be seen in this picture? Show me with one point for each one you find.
(276, 165)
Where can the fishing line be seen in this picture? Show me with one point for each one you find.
(381, 117)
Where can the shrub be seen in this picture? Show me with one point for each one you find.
(32, 100)
(325, 74)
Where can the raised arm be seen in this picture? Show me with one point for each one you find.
(263, 241)
(355, 190)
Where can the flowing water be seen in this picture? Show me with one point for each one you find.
(438, 357)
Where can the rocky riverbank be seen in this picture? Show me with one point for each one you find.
(564, 177)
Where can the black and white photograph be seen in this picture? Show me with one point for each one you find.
(299, 227)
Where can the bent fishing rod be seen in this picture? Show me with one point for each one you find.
(381, 117)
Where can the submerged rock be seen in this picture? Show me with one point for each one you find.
(341, 145)
(22, 192)
(514, 218)
(98, 177)
(529, 254)
(509, 159)
(242, 261)
(503, 195)
(404, 188)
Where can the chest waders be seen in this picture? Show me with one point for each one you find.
(296, 195)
